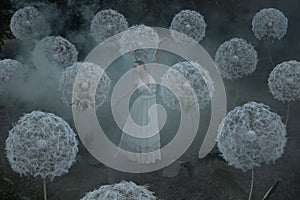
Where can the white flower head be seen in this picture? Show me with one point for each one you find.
(191, 24)
(8, 68)
(183, 77)
(123, 190)
(57, 50)
(42, 145)
(236, 58)
(284, 81)
(29, 23)
(251, 135)
(87, 77)
(269, 23)
(138, 37)
(107, 23)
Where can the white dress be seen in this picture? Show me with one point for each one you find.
(146, 148)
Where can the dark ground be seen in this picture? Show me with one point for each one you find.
(212, 179)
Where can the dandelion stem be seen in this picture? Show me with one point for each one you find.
(45, 189)
(287, 114)
(236, 94)
(252, 181)
(269, 55)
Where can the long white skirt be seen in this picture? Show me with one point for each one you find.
(142, 149)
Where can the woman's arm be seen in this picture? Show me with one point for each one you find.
(157, 55)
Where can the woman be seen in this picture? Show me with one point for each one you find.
(145, 147)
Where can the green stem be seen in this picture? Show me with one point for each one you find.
(45, 189)
(236, 94)
(269, 55)
(252, 181)
(287, 114)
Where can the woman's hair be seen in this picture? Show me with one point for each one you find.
(140, 63)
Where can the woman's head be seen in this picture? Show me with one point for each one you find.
(139, 65)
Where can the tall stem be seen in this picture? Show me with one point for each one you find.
(45, 189)
(287, 114)
(252, 181)
(269, 54)
(236, 94)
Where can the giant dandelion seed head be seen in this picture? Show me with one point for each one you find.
(86, 79)
(122, 190)
(181, 79)
(191, 24)
(107, 23)
(251, 135)
(236, 58)
(269, 23)
(57, 50)
(8, 68)
(42, 145)
(29, 23)
(284, 81)
(138, 37)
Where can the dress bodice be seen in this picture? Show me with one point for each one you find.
(147, 89)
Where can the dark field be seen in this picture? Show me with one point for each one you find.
(198, 179)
